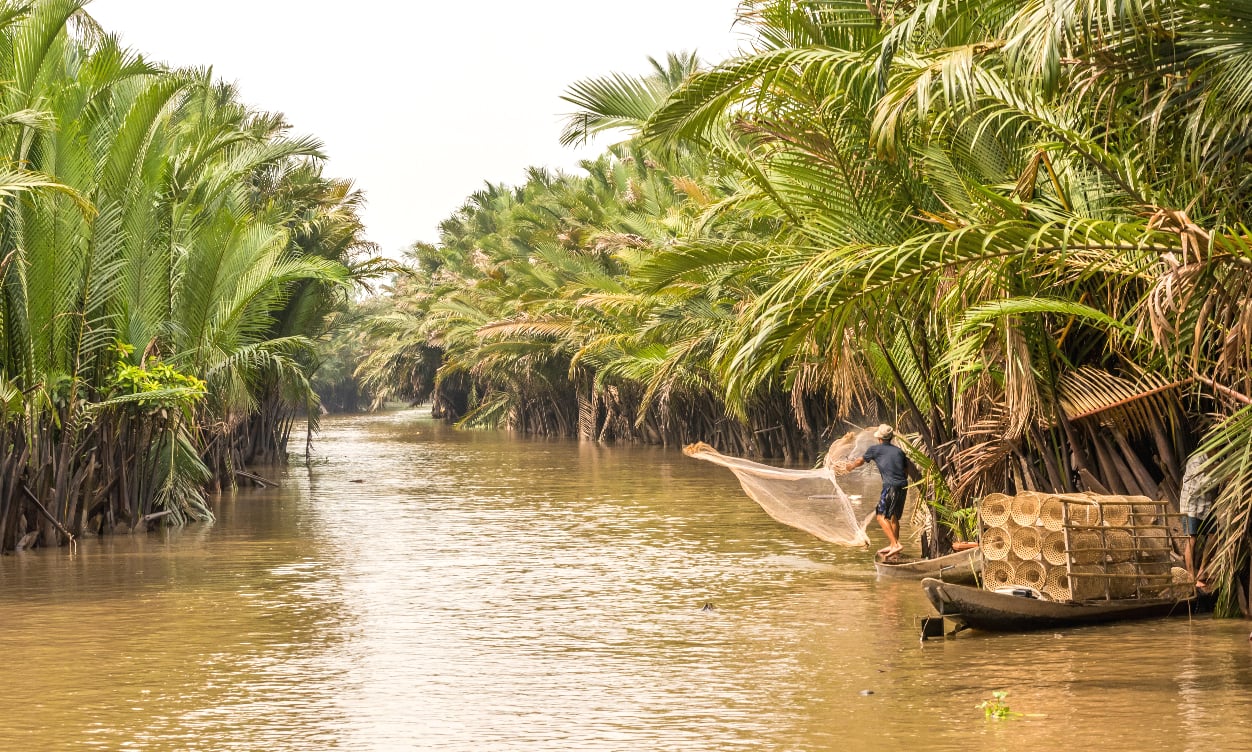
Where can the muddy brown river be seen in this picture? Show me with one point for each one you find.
(415, 587)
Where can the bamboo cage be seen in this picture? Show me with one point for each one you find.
(1079, 547)
(1136, 543)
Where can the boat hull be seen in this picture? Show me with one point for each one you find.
(959, 566)
(999, 612)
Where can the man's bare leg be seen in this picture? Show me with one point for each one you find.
(896, 546)
(892, 530)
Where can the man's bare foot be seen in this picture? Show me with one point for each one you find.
(883, 551)
(893, 550)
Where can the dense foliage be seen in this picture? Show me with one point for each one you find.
(166, 255)
(1015, 228)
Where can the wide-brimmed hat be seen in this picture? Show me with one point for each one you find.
(884, 432)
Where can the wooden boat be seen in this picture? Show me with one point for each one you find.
(958, 566)
(1001, 612)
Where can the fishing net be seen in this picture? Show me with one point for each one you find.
(808, 500)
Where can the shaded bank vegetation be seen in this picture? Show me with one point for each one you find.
(1017, 229)
(166, 256)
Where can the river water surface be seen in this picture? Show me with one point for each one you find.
(415, 587)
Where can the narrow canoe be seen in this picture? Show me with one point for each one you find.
(958, 566)
(1000, 612)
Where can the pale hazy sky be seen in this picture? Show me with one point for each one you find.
(420, 102)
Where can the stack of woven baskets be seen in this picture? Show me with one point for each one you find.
(1117, 547)
(1023, 544)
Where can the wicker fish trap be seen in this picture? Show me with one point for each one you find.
(1052, 514)
(1153, 543)
(996, 544)
(1123, 582)
(1083, 513)
(994, 510)
(1026, 506)
(1181, 585)
(1115, 515)
(1053, 548)
(1026, 544)
(1030, 574)
(997, 574)
(1087, 582)
(1085, 547)
(1057, 585)
(1119, 544)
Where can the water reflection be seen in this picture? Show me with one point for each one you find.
(417, 588)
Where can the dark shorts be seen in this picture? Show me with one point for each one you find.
(891, 502)
(1197, 525)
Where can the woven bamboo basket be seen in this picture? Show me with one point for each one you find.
(1026, 506)
(1153, 543)
(997, 574)
(996, 543)
(1026, 544)
(1123, 585)
(1119, 544)
(1057, 585)
(1087, 582)
(1052, 514)
(1053, 549)
(994, 510)
(1115, 515)
(1086, 547)
(1030, 574)
(1082, 513)
(1183, 584)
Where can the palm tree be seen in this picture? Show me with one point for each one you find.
(167, 265)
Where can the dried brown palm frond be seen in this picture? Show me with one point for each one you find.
(980, 460)
(1132, 403)
(1200, 310)
(840, 374)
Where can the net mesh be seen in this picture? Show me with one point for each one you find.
(808, 500)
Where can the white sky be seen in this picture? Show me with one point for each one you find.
(420, 102)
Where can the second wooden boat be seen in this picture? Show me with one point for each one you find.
(1001, 612)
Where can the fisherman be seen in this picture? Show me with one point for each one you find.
(894, 468)
(1195, 501)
